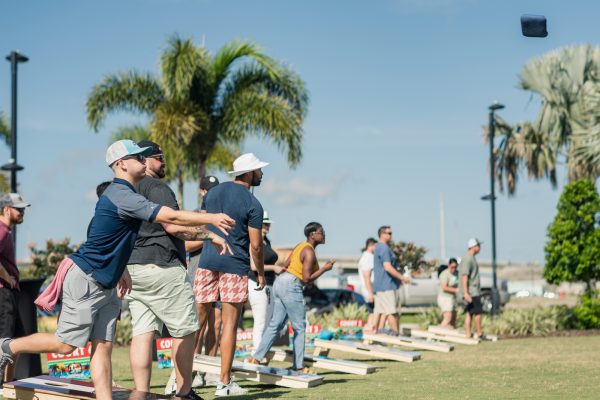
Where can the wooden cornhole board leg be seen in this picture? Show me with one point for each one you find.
(380, 352)
(458, 333)
(50, 388)
(259, 373)
(333, 364)
(405, 341)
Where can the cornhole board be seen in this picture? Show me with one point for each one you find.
(332, 364)
(46, 387)
(322, 347)
(459, 333)
(443, 338)
(405, 341)
(258, 373)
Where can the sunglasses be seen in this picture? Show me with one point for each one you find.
(19, 210)
(138, 157)
(159, 157)
(388, 233)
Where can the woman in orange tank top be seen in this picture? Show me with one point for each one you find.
(302, 269)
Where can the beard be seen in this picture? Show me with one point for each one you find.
(161, 172)
(256, 179)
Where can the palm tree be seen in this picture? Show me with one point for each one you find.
(567, 128)
(204, 106)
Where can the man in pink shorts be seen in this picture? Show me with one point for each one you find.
(225, 277)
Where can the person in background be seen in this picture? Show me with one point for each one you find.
(261, 301)
(447, 294)
(12, 211)
(386, 283)
(469, 287)
(365, 273)
(302, 269)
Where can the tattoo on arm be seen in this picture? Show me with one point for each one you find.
(194, 233)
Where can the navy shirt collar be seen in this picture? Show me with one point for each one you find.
(124, 182)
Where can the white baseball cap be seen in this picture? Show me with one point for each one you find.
(473, 242)
(13, 200)
(266, 219)
(246, 163)
(124, 148)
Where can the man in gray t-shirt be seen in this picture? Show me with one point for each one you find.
(162, 292)
(469, 287)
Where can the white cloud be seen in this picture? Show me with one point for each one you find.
(295, 190)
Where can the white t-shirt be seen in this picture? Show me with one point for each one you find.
(365, 264)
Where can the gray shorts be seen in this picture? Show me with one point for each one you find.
(88, 310)
(388, 302)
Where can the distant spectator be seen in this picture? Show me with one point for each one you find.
(102, 187)
(387, 281)
(365, 273)
(12, 211)
(447, 294)
(469, 287)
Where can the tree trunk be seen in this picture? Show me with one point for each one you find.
(180, 183)
(201, 174)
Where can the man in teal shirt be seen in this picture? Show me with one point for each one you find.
(469, 289)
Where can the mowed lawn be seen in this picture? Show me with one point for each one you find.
(541, 368)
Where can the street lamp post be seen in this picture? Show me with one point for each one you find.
(492, 197)
(14, 58)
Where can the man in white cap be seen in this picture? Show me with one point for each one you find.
(91, 280)
(469, 287)
(12, 210)
(225, 278)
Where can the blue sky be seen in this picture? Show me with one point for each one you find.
(399, 92)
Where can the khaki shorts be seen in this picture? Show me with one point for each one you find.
(446, 303)
(162, 295)
(88, 310)
(388, 302)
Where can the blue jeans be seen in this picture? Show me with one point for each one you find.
(289, 303)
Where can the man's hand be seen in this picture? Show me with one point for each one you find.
(328, 265)
(221, 245)
(261, 281)
(124, 286)
(277, 269)
(223, 222)
(406, 280)
(468, 298)
(12, 281)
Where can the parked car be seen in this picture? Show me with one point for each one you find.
(321, 301)
(423, 290)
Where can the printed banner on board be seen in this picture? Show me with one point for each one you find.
(312, 332)
(71, 366)
(243, 344)
(164, 352)
(351, 329)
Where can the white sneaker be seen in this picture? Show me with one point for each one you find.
(212, 379)
(231, 389)
(198, 381)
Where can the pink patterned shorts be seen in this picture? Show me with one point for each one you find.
(210, 286)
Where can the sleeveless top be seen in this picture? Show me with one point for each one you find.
(270, 257)
(295, 267)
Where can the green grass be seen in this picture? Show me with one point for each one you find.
(541, 368)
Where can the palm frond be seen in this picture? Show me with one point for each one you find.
(256, 112)
(184, 69)
(5, 128)
(136, 133)
(128, 91)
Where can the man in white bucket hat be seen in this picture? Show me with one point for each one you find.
(225, 277)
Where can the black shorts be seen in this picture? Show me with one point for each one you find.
(10, 322)
(474, 307)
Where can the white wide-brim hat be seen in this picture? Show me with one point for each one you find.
(246, 163)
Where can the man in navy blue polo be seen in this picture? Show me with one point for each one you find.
(96, 275)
